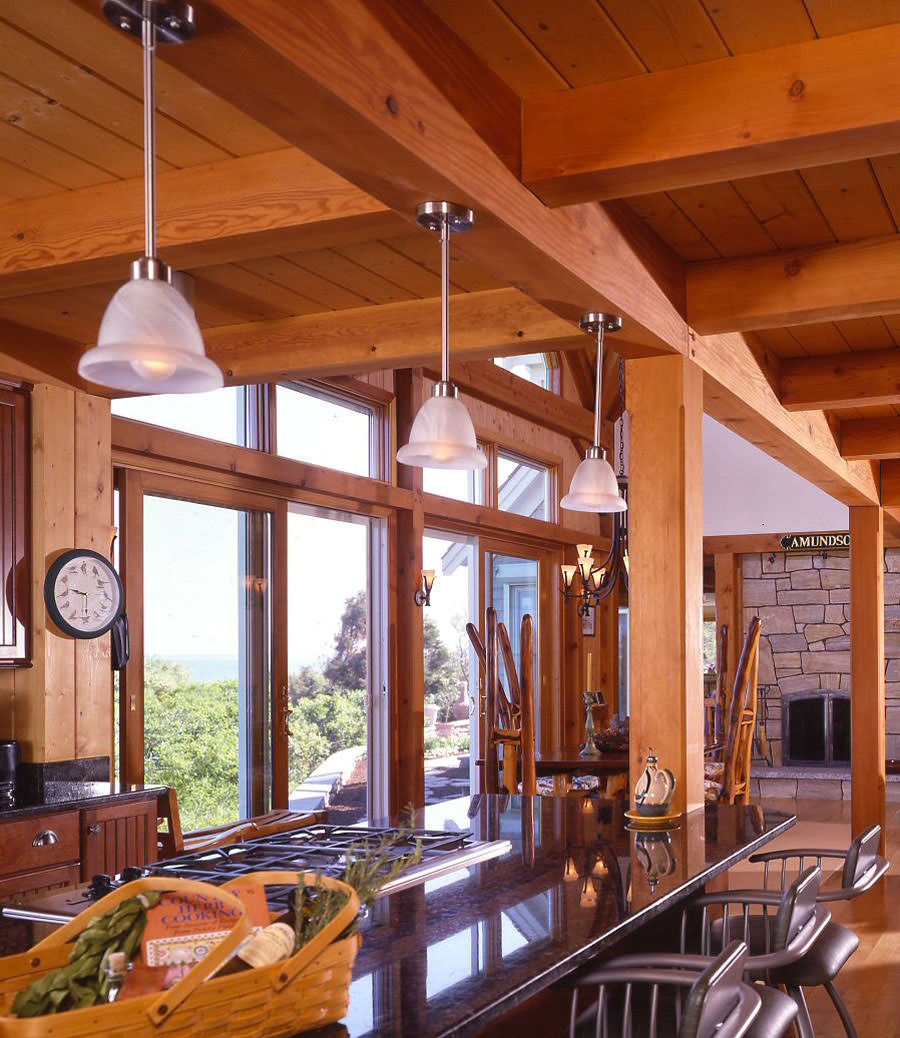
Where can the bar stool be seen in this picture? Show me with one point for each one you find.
(634, 996)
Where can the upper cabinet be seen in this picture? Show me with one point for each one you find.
(15, 600)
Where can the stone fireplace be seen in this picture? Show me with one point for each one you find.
(803, 601)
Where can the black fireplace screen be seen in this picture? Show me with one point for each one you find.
(817, 729)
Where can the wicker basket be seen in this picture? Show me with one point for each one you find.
(308, 990)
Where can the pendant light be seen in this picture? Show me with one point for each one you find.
(442, 434)
(594, 487)
(149, 340)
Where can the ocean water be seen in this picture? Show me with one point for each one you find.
(215, 668)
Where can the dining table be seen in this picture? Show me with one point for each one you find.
(563, 762)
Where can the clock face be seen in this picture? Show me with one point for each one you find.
(83, 593)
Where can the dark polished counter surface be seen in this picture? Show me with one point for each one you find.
(450, 957)
(71, 793)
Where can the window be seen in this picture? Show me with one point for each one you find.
(541, 369)
(458, 484)
(219, 415)
(523, 487)
(324, 428)
(206, 657)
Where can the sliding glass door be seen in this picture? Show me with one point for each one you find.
(206, 687)
(336, 687)
(451, 668)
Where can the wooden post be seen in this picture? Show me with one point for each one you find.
(729, 613)
(867, 771)
(407, 699)
(665, 529)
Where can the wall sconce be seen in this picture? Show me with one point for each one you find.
(423, 594)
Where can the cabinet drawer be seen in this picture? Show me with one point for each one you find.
(38, 842)
(27, 884)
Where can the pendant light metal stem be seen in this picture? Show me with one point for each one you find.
(445, 299)
(148, 42)
(598, 386)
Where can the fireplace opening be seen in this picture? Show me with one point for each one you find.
(816, 728)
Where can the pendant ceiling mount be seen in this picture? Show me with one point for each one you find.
(173, 22)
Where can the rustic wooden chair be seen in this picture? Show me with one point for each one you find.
(508, 720)
(171, 841)
(728, 780)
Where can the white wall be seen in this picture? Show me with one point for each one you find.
(746, 491)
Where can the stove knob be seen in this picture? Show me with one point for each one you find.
(132, 872)
(100, 886)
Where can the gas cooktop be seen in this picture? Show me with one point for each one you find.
(323, 848)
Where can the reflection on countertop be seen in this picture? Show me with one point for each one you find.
(449, 957)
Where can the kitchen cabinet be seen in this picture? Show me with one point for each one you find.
(15, 568)
(40, 852)
(43, 850)
(116, 835)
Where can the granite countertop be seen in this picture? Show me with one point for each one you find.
(450, 957)
(59, 795)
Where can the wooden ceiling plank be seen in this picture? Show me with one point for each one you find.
(819, 339)
(724, 218)
(394, 266)
(758, 26)
(870, 377)
(873, 438)
(667, 33)
(738, 392)
(226, 211)
(835, 17)
(499, 43)
(394, 335)
(18, 183)
(465, 276)
(87, 39)
(807, 104)
(887, 171)
(835, 282)
(43, 159)
(784, 206)
(578, 38)
(866, 333)
(368, 285)
(69, 83)
(292, 273)
(319, 77)
(666, 219)
(48, 358)
(850, 198)
(260, 298)
(74, 135)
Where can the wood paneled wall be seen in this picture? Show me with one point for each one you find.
(61, 707)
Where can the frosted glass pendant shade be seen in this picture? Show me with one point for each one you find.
(594, 487)
(150, 342)
(442, 436)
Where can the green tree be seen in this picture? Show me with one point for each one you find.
(191, 742)
(441, 672)
(348, 667)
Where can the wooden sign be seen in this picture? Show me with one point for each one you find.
(814, 541)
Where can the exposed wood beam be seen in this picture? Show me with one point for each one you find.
(41, 357)
(738, 392)
(807, 104)
(836, 380)
(492, 384)
(329, 78)
(829, 283)
(258, 205)
(394, 335)
(875, 438)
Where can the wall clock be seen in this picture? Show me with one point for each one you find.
(83, 593)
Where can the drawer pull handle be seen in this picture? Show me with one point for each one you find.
(45, 838)
(94, 829)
